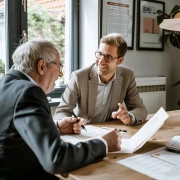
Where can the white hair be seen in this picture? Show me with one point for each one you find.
(28, 54)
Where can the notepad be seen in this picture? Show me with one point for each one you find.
(173, 144)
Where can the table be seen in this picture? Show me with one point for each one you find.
(109, 169)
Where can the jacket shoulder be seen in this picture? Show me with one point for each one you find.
(125, 69)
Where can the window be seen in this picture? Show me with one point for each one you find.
(46, 19)
(2, 39)
(55, 20)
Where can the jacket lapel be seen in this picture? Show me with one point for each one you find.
(116, 90)
(93, 84)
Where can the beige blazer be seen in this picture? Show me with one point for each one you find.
(81, 94)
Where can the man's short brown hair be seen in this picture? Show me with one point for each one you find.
(115, 39)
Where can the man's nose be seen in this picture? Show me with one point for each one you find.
(102, 60)
(60, 74)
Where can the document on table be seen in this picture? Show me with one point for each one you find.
(92, 132)
(128, 145)
(142, 136)
(158, 164)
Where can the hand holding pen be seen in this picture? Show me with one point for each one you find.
(78, 121)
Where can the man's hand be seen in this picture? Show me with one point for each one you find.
(122, 114)
(113, 140)
(70, 125)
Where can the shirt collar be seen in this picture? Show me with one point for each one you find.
(30, 78)
(112, 79)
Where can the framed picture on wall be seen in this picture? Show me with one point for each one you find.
(117, 16)
(148, 31)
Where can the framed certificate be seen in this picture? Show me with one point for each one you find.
(148, 31)
(117, 16)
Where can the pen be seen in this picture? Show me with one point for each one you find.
(120, 130)
(78, 120)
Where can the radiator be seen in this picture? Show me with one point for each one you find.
(152, 90)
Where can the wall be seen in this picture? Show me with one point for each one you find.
(145, 63)
(89, 31)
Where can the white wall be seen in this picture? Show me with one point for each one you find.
(145, 63)
(89, 31)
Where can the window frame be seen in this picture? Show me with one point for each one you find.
(15, 22)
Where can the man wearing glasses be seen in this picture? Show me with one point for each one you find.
(30, 143)
(106, 90)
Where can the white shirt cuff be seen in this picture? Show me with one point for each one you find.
(132, 118)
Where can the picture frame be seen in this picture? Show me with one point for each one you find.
(149, 33)
(118, 16)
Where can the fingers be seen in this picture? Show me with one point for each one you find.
(116, 143)
(78, 120)
(70, 119)
(113, 139)
(120, 106)
(120, 113)
(77, 127)
(118, 147)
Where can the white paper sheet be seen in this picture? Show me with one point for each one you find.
(142, 136)
(92, 132)
(158, 164)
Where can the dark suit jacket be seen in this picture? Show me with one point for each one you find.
(30, 143)
(81, 92)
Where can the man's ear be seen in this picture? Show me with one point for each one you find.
(40, 66)
(120, 60)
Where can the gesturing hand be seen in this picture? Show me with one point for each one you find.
(122, 114)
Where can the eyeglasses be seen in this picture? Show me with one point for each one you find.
(58, 64)
(107, 57)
